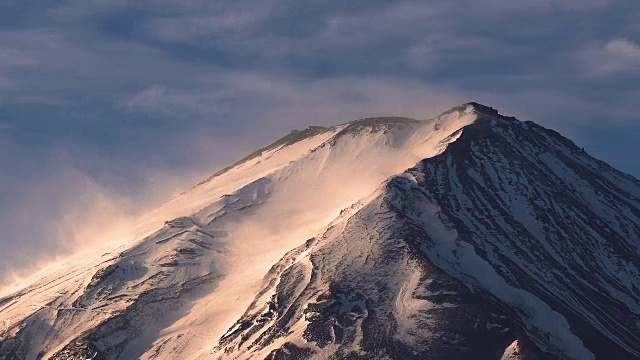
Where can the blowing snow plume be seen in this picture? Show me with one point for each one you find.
(63, 210)
(469, 235)
(68, 212)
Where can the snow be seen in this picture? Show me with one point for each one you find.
(459, 258)
(224, 235)
(511, 352)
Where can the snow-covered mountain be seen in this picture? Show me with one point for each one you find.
(467, 236)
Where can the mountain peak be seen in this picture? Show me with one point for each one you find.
(472, 107)
(481, 109)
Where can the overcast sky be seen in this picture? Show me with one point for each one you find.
(109, 106)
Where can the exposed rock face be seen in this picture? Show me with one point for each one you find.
(468, 236)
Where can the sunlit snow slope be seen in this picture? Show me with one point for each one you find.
(502, 240)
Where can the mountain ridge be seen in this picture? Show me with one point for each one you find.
(298, 135)
(353, 268)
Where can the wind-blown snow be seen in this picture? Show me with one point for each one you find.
(235, 227)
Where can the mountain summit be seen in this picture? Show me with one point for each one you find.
(467, 236)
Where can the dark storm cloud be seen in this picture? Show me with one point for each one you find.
(106, 97)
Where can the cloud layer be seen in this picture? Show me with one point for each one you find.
(132, 91)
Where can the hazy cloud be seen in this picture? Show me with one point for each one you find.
(545, 6)
(4, 131)
(10, 57)
(619, 55)
(195, 28)
(283, 103)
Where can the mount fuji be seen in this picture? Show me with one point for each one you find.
(471, 235)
